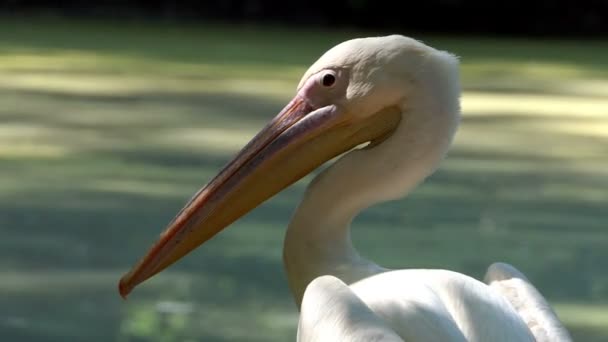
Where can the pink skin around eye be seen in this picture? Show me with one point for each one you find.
(308, 88)
(314, 92)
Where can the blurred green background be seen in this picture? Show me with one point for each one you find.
(108, 128)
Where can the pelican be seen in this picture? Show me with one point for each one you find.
(389, 108)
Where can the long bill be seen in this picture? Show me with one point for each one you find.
(298, 140)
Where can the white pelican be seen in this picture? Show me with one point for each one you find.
(403, 98)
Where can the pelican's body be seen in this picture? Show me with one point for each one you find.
(428, 305)
(403, 97)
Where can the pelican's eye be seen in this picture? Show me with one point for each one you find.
(329, 79)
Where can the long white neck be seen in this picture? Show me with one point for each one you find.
(318, 238)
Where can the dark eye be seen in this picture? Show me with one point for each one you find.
(328, 80)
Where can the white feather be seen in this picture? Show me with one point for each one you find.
(345, 297)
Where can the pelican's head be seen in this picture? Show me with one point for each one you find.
(353, 94)
(362, 76)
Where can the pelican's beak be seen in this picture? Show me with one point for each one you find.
(298, 140)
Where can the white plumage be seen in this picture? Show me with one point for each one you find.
(416, 305)
(428, 305)
(403, 97)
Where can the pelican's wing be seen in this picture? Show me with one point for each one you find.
(528, 302)
(441, 305)
(332, 312)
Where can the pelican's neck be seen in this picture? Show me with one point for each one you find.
(318, 238)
